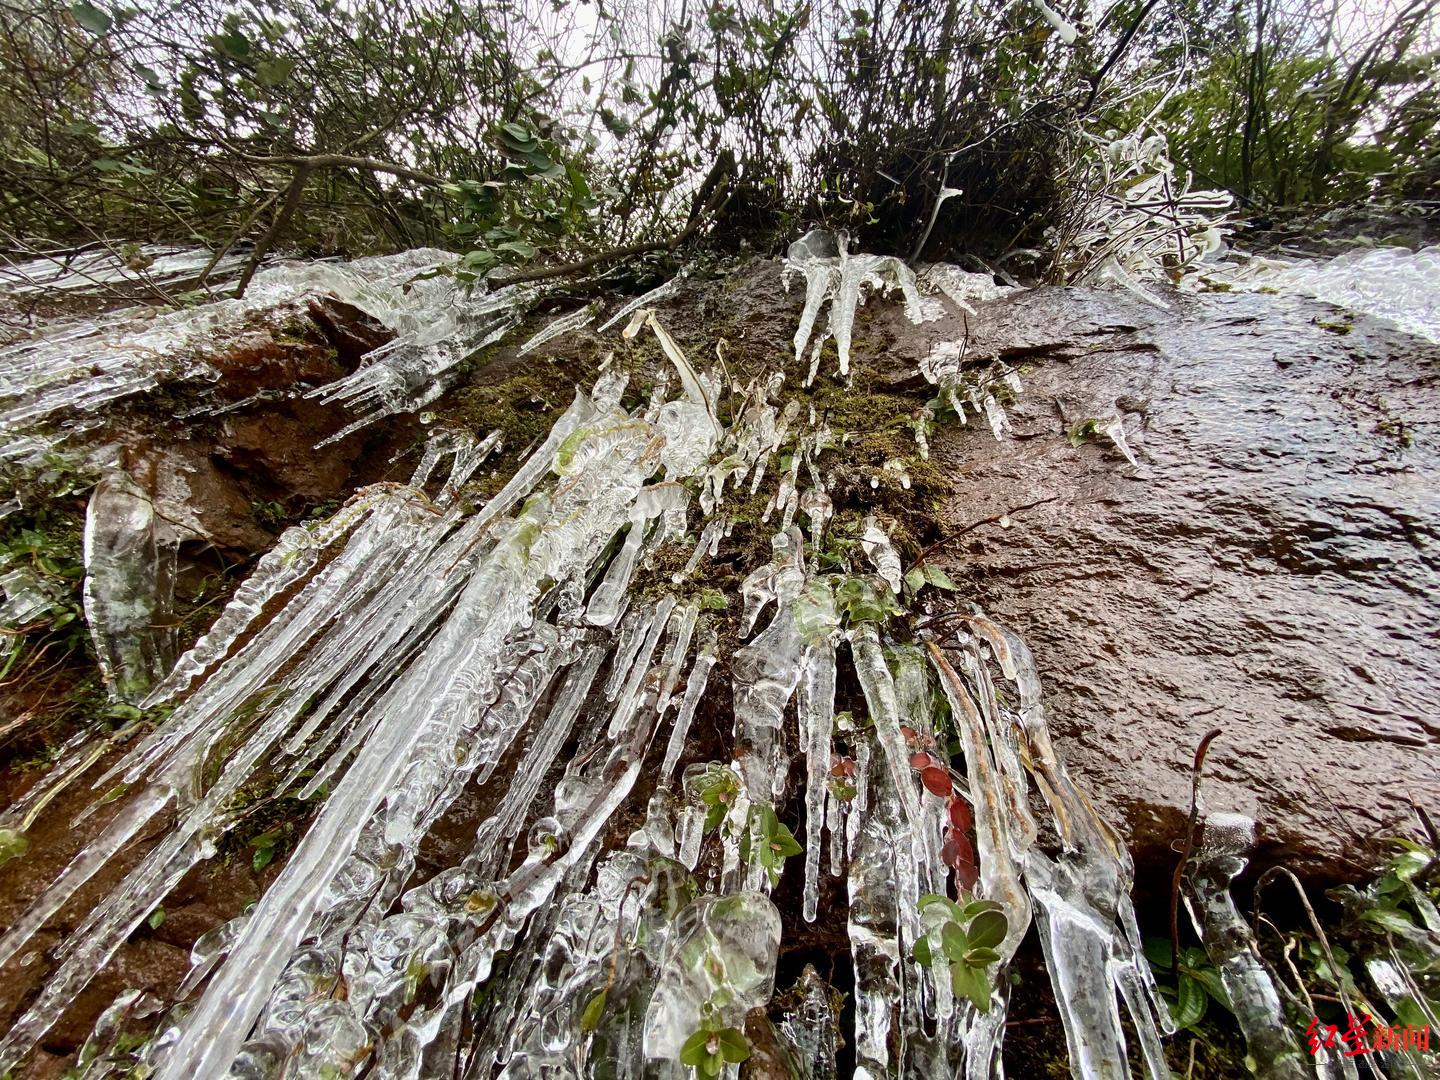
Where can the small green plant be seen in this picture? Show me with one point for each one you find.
(717, 788)
(858, 600)
(966, 937)
(13, 844)
(917, 577)
(1189, 990)
(710, 1047)
(768, 842)
(265, 845)
(1085, 429)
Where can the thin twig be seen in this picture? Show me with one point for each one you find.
(1189, 845)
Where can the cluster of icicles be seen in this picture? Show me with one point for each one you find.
(412, 648)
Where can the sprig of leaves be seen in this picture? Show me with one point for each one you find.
(709, 1049)
(768, 842)
(967, 939)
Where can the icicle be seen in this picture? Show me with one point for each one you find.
(709, 536)
(683, 626)
(1225, 843)
(816, 708)
(876, 544)
(1114, 430)
(695, 684)
(872, 926)
(645, 300)
(129, 587)
(558, 327)
(812, 1028)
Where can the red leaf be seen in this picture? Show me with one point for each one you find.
(966, 875)
(960, 816)
(960, 845)
(936, 781)
(922, 760)
(911, 735)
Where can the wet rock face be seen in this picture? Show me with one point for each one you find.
(1271, 568)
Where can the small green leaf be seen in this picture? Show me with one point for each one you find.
(149, 76)
(518, 247)
(234, 44)
(1189, 1005)
(693, 1051)
(1157, 951)
(1408, 1011)
(971, 983)
(952, 909)
(939, 578)
(975, 907)
(733, 1047)
(979, 957)
(1391, 919)
(91, 17)
(713, 600)
(594, 1009)
(953, 941)
(157, 917)
(274, 72)
(1210, 979)
(480, 260)
(915, 579)
(922, 954)
(262, 858)
(988, 929)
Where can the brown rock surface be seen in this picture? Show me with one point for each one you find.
(1269, 569)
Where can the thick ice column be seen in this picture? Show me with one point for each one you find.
(129, 586)
(1225, 843)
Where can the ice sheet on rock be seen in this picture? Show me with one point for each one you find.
(130, 554)
(1391, 283)
(94, 270)
(960, 286)
(66, 376)
(414, 368)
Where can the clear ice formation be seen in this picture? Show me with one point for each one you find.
(410, 649)
(63, 378)
(95, 270)
(1141, 221)
(130, 554)
(1391, 283)
(1225, 843)
(832, 273)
